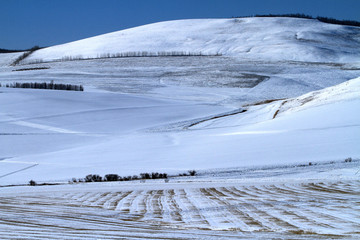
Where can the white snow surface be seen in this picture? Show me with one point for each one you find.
(8, 58)
(90, 135)
(248, 38)
(267, 126)
(175, 114)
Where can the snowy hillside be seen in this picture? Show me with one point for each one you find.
(344, 96)
(249, 38)
(8, 58)
(130, 140)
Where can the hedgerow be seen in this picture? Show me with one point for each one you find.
(44, 85)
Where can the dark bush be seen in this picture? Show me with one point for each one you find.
(32, 183)
(116, 177)
(145, 176)
(192, 172)
(88, 178)
(154, 175)
(93, 178)
(162, 175)
(128, 178)
(135, 177)
(111, 177)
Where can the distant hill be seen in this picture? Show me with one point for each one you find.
(2, 50)
(265, 38)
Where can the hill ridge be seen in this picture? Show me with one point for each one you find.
(267, 38)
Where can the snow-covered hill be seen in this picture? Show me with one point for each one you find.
(7, 59)
(249, 38)
(319, 126)
(345, 96)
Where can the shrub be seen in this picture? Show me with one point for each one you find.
(128, 178)
(163, 175)
(116, 177)
(145, 176)
(93, 178)
(192, 172)
(32, 183)
(111, 177)
(155, 175)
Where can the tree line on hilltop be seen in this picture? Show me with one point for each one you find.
(301, 15)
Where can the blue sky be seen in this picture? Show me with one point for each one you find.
(25, 23)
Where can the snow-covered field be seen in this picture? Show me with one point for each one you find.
(242, 204)
(284, 93)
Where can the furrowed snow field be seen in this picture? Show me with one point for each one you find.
(277, 207)
(267, 120)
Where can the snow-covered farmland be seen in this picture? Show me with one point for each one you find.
(284, 204)
(267, 123)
